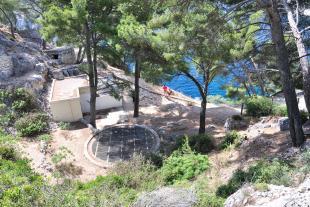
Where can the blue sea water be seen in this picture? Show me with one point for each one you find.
(187, 87)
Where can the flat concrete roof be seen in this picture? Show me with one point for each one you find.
(68, 88)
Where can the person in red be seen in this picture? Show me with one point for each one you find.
(167, 90)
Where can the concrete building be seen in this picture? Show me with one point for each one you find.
(70, 99)
(63, 55)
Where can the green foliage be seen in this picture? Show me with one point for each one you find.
(238, 178)
(62, 154)
(279, 110)
(304, 116)
(261, 187)
(201, 143)
(231, 138)
(209, 200)
(305, 161)
(235, 93)
(258, 106)
(217, 99)
(184, 164)
(138, 173)
(45, 137)
(32, 124)
(7, 153)
(274, 172)
(14, 103)
(19, 100)
(19, 186)
(155, 159)
(64, 125)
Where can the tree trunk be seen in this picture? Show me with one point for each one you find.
(10, 22)
(302, 52)
(246, 88)
(43, 44)
(78, 57)
(296, 131)
(91, 75)
(259, 77)
(202, 118)
(137, 87)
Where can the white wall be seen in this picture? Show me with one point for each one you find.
(102, 102)
(66, 110)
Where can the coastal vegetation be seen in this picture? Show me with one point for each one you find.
(212, 146)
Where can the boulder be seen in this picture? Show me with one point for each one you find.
(231, 124)
(272, 196)
(284, 124)
(167, 197)
(182, 124)
(58, 74)
(23, 63)
(6, 67)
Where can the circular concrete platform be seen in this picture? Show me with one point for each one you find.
(120, 142)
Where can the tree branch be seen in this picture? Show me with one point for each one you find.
(302, 31)
(255, 23)
(196, 82)
(296, 59)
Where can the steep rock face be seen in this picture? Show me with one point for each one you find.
(274, 196)
(22, 63)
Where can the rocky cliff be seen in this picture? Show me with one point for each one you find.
(22, 63)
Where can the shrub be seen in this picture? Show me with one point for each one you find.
(235, 93)
(304, 116)
(209, 200)
(32, 124)
(261, 187)
(64, 125)
(275, 172)
(238, 178)
(279, 110)
(138, 173)
(19, 100)
(45, 137)
(201, 143)
(258, 106)
(183, 164)
(305, 160)
(7, 153)
(155, 159)
(19, 185)
(231, 138)
(236, 117)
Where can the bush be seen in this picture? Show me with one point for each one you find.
(209, 200)
(19, 100)
(231, 138)
(138, 173)
(184, 164)
(235, 93)
(19, 185)
(238, 178)
(304, 116)
(258, 106)
(305, 160)
(64, 125)
(7, 153)
(261, 187)
(155, 159)
(279, 110)
(32, 124)
(45, 137)
(275, 172)
(201, 143)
